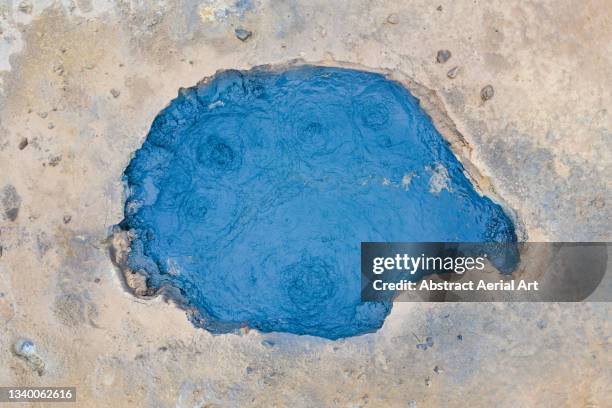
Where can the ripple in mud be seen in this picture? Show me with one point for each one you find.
(253, 191)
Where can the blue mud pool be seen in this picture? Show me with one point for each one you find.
(253, 191)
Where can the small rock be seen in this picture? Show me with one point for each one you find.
(24, 348)
(443, 56)
(43, 115)
(429, 341)
(23, 143)
(439, 8)
(459, 337)
(453, 72)
(421, 346)
(115, 93)
(393, 18)
(437, 370)
(541, 324)
(67, 219)
(243, 34)
(412, 404)
(249, 370)
(50, 125)
(487, 93)
(428, 382)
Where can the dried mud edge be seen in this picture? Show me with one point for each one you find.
(119, 242)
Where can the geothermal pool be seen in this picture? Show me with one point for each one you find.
(253, 191)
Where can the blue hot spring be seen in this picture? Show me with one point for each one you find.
(253, 191)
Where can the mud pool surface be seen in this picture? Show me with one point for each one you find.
(253, 192)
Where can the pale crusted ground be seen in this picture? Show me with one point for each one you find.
(82, 82)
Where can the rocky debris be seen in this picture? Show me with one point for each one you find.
(393, 18)
(115, 93)
(453, 72)
(424, 346)
(55, 160)
(23, 143)
(67, 219)
(487, 93)
(437, 370)
(26, 349)
(443, 56)
(243, 34)
(11, 202)
(459, 337)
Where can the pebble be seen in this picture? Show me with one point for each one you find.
(115, 93)
(459, 337)
(24, 348)
(453, 72)
(67, 219)
(393, 18)
(43, 115)
(243, 34)
(487, 93)
(50, 125)
(23, 143)
(437, 370)
(443, 56)
(429, 341)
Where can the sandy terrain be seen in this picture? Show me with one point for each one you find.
(80, 83)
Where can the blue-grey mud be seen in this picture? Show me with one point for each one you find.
(253, 191)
